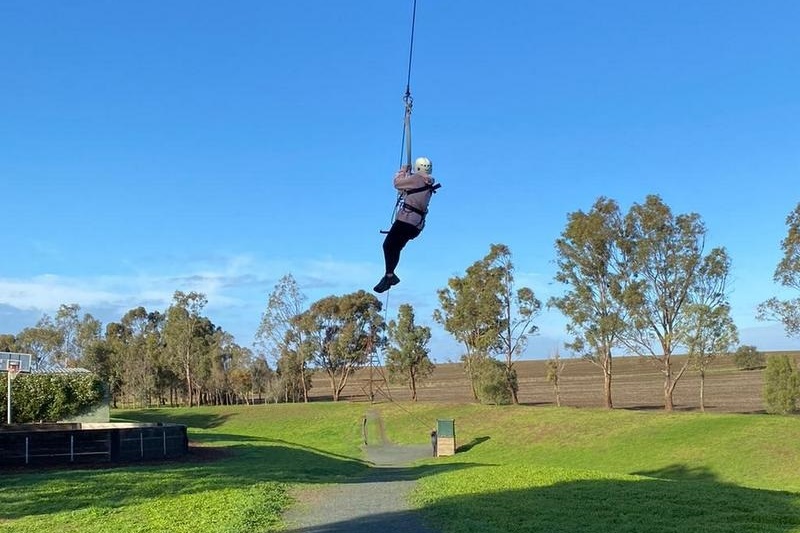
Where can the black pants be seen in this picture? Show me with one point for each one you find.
(397, 238)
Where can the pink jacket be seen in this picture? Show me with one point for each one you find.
(405, 181)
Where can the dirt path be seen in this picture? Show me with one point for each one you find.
(376, 502)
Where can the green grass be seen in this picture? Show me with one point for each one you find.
(568, 470)
(519, 469)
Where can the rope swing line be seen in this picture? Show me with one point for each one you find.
(408, 102)
(388, 392)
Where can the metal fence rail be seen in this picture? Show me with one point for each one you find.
(98, 443)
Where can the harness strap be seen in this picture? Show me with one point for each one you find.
(423, 189)
(410, 207)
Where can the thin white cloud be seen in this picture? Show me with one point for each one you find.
(229, 283)
(49, 291)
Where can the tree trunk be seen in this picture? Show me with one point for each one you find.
(334, 389)
(702, 391)
(189, 390)
(669, 386)
(343, 382)
(671, 382)
(413, 385)
(304, 385)
(607, 382)
(468, 363)
(557, 391)
(511, 386)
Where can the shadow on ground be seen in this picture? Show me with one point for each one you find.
(471, 444)
(403, 521)
(690, 500)
(192, 420)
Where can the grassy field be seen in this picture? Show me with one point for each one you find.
(519, 469)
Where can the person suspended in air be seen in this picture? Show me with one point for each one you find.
(416, 189)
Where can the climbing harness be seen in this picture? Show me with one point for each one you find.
(402, 204)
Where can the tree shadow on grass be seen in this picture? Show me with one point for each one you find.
(471, 444)
(252, 460)
(638, 505)
(634, 505)
(679, 472)
(191, 420)
(660, 407)
(401, 521)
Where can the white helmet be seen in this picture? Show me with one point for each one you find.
(423, 164)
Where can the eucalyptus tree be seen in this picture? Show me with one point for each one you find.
(781, 385)
(489, 316)
(260, 375)
(222, 360)
(184, 336)
(340, 334)
(43, 341)
(108, 360)
(710, 329)
(787, 273)
(407, 355)
(8, 343)
(471, 311)
(590, 265)
(664, 264)
(100, 357)
(554, 367)
(66, 321)
(293, 380)
(131, 358)
(77, 333)
(519, 308)
(292, 366)
(230, 368)
(279, 337)
(207, 356)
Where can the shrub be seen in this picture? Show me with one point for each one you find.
(51, 397)
(748, 358)
(780, 385)
(493, 382)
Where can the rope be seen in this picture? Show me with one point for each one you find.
(411, 47)
(388, 393)
(407, 98)
(386, 308)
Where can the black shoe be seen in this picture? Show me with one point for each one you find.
(386, 283)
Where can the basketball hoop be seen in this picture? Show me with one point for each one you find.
(13, 369)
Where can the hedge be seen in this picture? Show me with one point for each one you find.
(50, 397)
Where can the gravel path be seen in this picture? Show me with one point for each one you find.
(375, 503)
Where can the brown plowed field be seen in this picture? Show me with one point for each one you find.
(636, 384)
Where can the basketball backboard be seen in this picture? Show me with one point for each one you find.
(23, 359)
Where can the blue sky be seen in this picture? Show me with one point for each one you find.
(148, 147)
